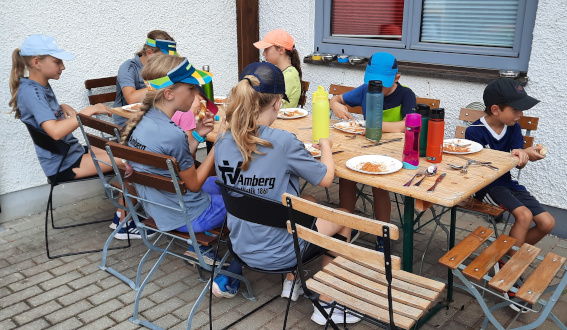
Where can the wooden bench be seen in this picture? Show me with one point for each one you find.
(362, 280)
(530, 292)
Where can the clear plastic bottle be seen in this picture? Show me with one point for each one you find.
(374, 110)
(410, 158)
(321, 111)
(423, 110)
(435, 134)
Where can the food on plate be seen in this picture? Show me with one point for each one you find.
(220, 99)
(132, 107)
(456, 148)
(351, 127)
(374, 167)
(542, 151)
(286, 113)
(314, 151)
(203, 111)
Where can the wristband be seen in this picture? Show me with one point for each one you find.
(197, 137)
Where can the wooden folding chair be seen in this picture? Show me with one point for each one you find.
(529, 295)
(173, 237)
(105, 97)
(303, 96)
(362, 282)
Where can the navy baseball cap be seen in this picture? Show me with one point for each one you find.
(510, 92)
(39, 44)
(381, 66)
(270, 76)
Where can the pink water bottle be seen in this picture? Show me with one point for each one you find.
(410, 159)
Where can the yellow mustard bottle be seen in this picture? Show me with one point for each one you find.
(321, 112)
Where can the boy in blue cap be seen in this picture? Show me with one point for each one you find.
(398, 102)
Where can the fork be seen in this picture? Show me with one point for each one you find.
(420, 172)
(487, 164)
(464, 170)
(351, 137)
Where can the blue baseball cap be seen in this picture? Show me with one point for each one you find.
(381, 66)
(39, 44)
(270, 76)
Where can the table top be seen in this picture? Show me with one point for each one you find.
(454, 188)
(124, 113)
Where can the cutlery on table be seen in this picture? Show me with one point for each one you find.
(431, 171)
(380, 143)
(487, 164)
(464, 169)
(305, 128)
(337, 152)
(439, 179)
(420, 172)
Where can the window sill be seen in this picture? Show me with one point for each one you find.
(483, 76)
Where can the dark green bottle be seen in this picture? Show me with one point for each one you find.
(423, 110)
(208, 87)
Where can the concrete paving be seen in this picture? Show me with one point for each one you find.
(72, 292)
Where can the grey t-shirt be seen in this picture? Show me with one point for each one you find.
(157, 133)
(269, 176)
(37, 104)
(129, 75)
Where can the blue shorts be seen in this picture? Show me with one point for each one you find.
(214, 215)
(511, 199)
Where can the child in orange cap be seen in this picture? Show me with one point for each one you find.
(279, 49)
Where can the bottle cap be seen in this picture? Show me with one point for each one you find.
(320, 95)
(437, 113)
(206, 68)
(413, 120)
(375, 86)
(217, 118)
(422, 109)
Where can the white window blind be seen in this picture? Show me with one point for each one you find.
(470, 22)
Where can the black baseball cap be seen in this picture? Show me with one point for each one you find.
(270, 76)
(510, 92)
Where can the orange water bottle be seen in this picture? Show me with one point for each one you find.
(435, 135)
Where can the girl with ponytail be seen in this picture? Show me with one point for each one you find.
(267, 162)
(279, 49)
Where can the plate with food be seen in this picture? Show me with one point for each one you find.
(292, 113)
(352, 127)
(132, 107)
(220, 100)
(460, 146)
(314, 151)
(374, 164)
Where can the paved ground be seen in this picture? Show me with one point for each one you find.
(72, 292)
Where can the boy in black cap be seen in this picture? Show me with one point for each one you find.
(505, 100)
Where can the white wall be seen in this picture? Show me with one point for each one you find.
(102, 35)
(547, 73)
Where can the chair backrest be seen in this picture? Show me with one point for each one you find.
(432, 103)
(151, 159)
(468, 116)
(338, 90)
(44, 141)
(349, 220)
(99, 83)
(303, 96)
(101, 126)
(257, 209)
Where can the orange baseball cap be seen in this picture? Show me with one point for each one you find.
(276, 38)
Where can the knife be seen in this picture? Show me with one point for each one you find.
(380, 143)
(436, 182)
(337, 152)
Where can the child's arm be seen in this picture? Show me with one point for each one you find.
(533, 153)
(133, 95)
(325, 146)
(394, 126)
(339, 108)
(194, 178)
(522, 157)
(58, 129)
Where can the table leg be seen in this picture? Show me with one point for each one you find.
(407, 256)
(451, 245)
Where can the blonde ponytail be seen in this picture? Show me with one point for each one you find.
(243, 107)
(18, 71)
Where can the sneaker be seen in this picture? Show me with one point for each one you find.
(208, 254)
(354, 235)
(338, 316)
(516, 308)
(379, 244)
(222, 289)
(115, 222)
(297, 289)
(131, 230)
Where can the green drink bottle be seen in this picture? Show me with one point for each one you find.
(208, 87)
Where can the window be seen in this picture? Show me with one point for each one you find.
(486, 34)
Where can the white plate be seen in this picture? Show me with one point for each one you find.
(349, 127)
(472, 148)
(314, 151)
(220, 100)
(129, 107)
(392, 164)
(299, 113)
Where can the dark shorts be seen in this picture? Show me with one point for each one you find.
(512, 199)
(314, 249)
(68, 174)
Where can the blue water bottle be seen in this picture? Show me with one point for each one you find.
(374, 110)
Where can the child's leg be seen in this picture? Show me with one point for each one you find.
(382, 204)
(544, 223)
(210, 187)
(347, 194)
(87, 167)
(211, 218)
(523, 219)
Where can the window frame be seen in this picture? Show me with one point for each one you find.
(410, 49)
